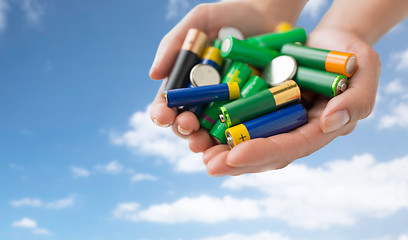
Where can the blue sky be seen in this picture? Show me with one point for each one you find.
(80, 159)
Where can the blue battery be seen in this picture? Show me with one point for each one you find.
(204, 94)
(280, 121)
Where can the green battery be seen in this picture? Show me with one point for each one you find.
(322, 82)
(217, 132)
(276, 40)
(240, 50)
(239, 72)
(254, 85)
(330, 61)
(264, 102)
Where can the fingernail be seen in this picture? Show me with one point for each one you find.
(161, 124)
(183, 131)
(335, 121)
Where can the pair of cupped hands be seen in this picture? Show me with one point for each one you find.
(327, 118)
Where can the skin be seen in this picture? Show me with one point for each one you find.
(328, 118)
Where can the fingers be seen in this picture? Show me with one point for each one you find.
(200, 141)
(212, 152)
(160, 114)
(358, 100)
(185, 124)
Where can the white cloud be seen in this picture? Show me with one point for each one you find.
(29, 202)
(113, 167)
(60, 203)
(259, 236)
(401, 59)
(388, 237)
(200, 209)
(176, 8)
(79, 172)
(42, 231)
(395, 87)
(398, 117)
(314, 7)
(32, 224)
(339, 193)
(35, 202)
(142, 177)
(33, 10)
(3, 19)
(25, 223)
(146, 138)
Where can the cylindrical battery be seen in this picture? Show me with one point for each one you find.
(279, 70)
(239, 50)
(212, 56)
(229, 31)
(188, 56)
(203, 94)
(331, 61)
(254, 85)
(324, 83)
(203, 75)
(280, 121)
(239, 72)
(264, 102)
(276, 40)
(217, 133)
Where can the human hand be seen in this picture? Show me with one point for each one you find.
(209, 18)
(277, 151)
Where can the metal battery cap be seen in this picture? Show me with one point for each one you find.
(280, 69)
(203, 74)
(230, 140)
(226, 31)
(341, 86)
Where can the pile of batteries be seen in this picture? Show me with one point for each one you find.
(264, 73)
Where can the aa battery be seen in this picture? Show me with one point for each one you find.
(239, 72)
(217, 133)
(187, 58)
(239, 50)
(204, 94)
(279, 70)
(276, 40)
(254, 85)
(264, 102)
(331, 61)
(207, 72)
(203, 75)
(229, 31)
(212, 56)
(325, 83)
(280, 121)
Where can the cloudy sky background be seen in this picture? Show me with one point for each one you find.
(80, 159)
